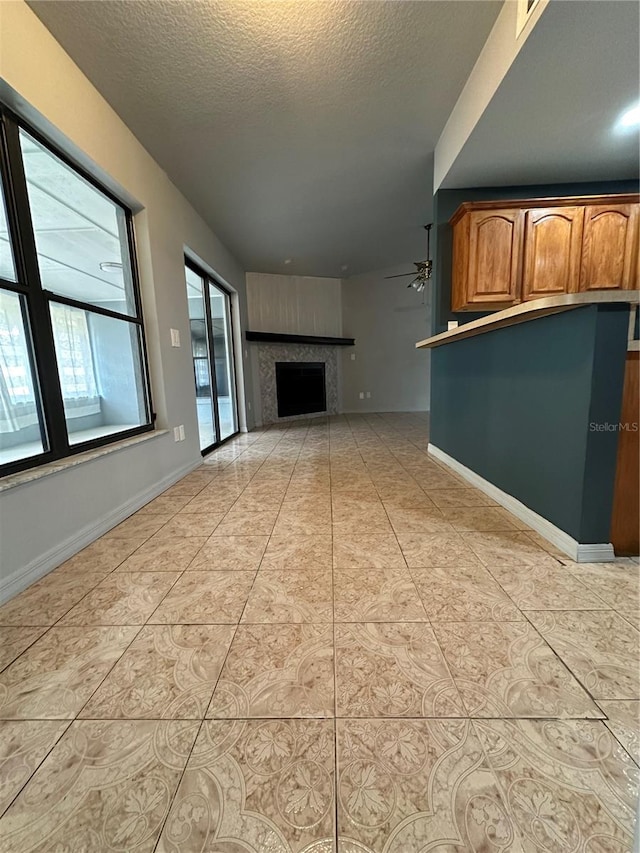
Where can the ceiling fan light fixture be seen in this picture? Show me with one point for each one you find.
(424, 269)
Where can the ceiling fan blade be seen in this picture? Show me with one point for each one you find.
(401, 275)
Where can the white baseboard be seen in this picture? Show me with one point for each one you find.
(20, 580)
(602, 553)
(578, 551)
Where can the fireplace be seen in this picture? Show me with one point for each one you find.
(300, 387)
(268, 355)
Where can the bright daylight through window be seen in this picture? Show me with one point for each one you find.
(72, 369)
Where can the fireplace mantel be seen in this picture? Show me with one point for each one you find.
(280, 338)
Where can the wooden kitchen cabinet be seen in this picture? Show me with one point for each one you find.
(506, 252)
(486, 259)
(552, 250)
(610, 247)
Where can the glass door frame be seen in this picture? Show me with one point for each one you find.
(208, 279)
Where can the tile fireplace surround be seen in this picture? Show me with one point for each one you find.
(269, 354)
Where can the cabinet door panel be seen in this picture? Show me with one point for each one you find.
(552, 249)
(494, 256)
(610, 246)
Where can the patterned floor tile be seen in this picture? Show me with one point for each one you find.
(277, 671)
(414, 519)
(364, 525)
(460, 497)
(508, 549)
(624, 721)
(138, 527)
(294, 523)
(214, 598)
(168, 672)
(631, 616)
(256, 786)
(102, 555)
(283, 596)
(464, 595)
(23, 745)
(376, 595)
(374, 551)
(54, 678)
(13, 641)
(183, 489)
(438, 479)
(247, 523)
(164, 505)
(546, 588)
(187, 525)
(417, 785)
(203, 504)
(392, 670)
(105, 786)
(480, 518)
(235, 582)
(505, 669)
(163, 555)
(46, 601)
(617, 583)
(423, 550)
(298, 552)
(230, 553)
(123, 598)
(568, 784)
(599, 647)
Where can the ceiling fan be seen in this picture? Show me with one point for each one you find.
(423, 269)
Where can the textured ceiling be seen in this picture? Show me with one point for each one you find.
(554, 117)
(300, 130)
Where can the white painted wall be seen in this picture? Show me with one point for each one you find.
(386, 318)
(41, 521)
(294, 304)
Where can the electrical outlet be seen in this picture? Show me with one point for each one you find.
(353, 356)
(361, 395)
(175, 337)
(249, 405)
(181, 431)
(368, 395)
(176, 433)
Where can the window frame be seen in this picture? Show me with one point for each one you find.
(208, 278)
(36, 302)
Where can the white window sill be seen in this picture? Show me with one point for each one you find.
(37, 473)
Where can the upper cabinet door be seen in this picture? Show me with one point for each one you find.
(493, 275)
(552, 249)
(610, 247)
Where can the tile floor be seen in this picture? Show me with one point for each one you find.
(321, 640)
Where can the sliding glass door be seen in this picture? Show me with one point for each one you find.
(212, 352)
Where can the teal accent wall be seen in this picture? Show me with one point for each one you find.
(515, 405)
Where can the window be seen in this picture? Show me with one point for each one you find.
(72, 367)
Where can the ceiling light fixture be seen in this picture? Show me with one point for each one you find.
(111, 266)
(629, 119)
